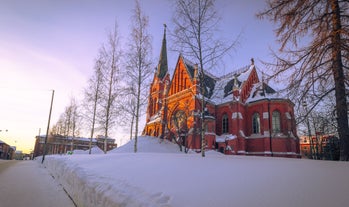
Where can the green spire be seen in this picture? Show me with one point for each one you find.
(162, 66)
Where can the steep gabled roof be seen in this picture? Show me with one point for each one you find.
(219, 90)
(209, 79)
(189, 66)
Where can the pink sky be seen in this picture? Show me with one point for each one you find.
(49, 45)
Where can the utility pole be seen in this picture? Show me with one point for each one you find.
(48, 127)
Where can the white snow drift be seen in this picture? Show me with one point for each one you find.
(159, 175)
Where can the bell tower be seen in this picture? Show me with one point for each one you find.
(156, 101)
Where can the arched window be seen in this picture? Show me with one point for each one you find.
(256, 124)
(179, 119)
(225, 124)
(276, 122)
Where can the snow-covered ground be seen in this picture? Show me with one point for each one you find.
(159, 175)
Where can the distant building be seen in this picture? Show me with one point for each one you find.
(18, 155)
(58, 144)
(324, 147)
(243, 115)
(6, 151)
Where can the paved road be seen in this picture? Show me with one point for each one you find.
(28, 184)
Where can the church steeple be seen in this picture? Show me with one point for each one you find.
(162, 66)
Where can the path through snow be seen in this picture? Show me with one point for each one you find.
(28, 184)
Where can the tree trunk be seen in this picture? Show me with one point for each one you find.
(202, 118)
(93, 123)
(131, 130)
(108, 107)
(338, 73)
(137, 111)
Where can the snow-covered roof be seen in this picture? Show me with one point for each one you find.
(218, 95)
(224, 85)
(262, 91)
(218, 90)
(42, 137)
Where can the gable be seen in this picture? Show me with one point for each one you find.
(182, 77)
(250, 78)
(218, 90)
(209, 81)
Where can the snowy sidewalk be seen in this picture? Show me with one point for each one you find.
(27, 183)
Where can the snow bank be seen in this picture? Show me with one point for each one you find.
(91, 190)
(94, 150)
(153, 178)
(148, 144)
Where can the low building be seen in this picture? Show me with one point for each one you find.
(58, 144)
(320, 147)
(6, 151)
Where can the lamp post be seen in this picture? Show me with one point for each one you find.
(304, 104)
(48, 127)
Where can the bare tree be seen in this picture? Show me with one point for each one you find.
(196, 22)
(59, 127)
(69, 119)
(110, 54)
(92, 95)
(75, 120)
(139, 61)
(128, 106)
(69, 122)
(314, 37)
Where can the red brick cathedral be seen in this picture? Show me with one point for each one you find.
(242, 115)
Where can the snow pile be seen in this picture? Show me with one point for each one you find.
(153, 178)
(94, 150)
(148, 144)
